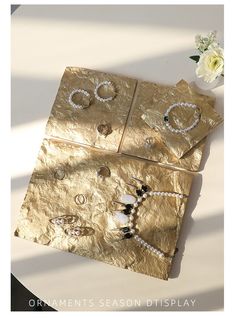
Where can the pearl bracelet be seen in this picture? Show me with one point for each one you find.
(102, 99)
(197, 116)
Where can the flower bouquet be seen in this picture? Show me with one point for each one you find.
(210, 60)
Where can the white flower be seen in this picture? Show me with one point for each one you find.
(202, 43)
(211, 63)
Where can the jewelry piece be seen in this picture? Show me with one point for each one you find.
(104, 129)
(103, 172)
(79, 231)
(128, 199)
(132, 185)
(79, 91)
(102, 99)
(136, 179)
(59, 174)
(74, 231)
(127, 216)
(149, 142)
(80, 199)
(64, 219)
(197, 116)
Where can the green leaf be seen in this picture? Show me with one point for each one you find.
(195, 58)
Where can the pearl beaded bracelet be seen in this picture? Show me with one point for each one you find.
(197, 116)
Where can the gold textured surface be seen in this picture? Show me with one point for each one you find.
(180, 117)
(64, 170)
(148, 95)
(81, 125)
(79, 183)
(102, 125)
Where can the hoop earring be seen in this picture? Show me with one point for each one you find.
(79, 91)
(103, 99)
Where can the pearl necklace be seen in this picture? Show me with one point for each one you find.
(130, 210)
(197, 116)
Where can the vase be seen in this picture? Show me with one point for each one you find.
(200, 83)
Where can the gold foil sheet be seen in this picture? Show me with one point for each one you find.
(134, 142)
(66, 183)
(84, 125)
(117, 125)
(180, 117)
(79, 184)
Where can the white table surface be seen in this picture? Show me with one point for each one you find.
(146, 42)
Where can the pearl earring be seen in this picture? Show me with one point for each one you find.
(96, 91)
(79, 105)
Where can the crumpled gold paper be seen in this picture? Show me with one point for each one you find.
(180, 117)
(117, 125)
(66, 182)
(85, 126)
(78, 184)
(138, 132)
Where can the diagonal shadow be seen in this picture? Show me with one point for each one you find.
(81, 165)
(159, 68)
(216, 135)
(207, 225)
(208, 300)
(154, 16)
(20, 182)
(47, 262)
(40, 92)
(186, 226)
(31, 98)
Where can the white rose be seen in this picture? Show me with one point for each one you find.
(211, 64)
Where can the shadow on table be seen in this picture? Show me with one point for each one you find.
(216, 135)
(31, 98)
(20, 182)
(41, 92)
(46, 262)
(23, 300)
(209, 300)
(187, 225)
(157, 16)
(204, 226)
